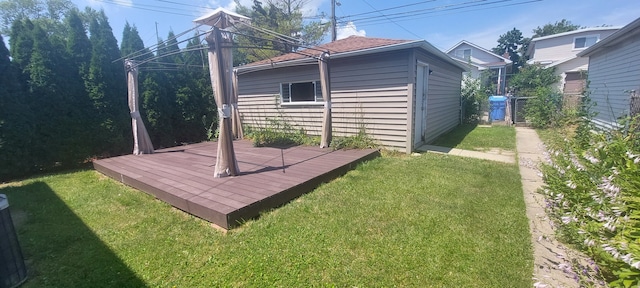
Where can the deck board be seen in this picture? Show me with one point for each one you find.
(183, 177)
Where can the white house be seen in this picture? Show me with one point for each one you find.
(614, 75)
(479, 59)
(560, 51)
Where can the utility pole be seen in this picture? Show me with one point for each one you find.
(333, 21)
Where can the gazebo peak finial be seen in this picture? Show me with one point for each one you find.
(221, 18)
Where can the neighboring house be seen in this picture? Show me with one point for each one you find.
(479, 59)
(614, 75)
(560, 51)
(404, 93)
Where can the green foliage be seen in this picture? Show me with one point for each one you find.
(278, 132)
(48, 13)
(361, 140)
(281, 16)
(510, 43)
(532, 77)
(561, 26)
(473, 98)
(107, 88)
(593, 193)
(544, 109)
(63, 98)
(16, 121)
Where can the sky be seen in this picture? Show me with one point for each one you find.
(443, 23)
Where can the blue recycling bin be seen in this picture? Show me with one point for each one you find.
(498, 105)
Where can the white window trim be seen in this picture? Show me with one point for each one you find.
(573, 44)
(301, 103)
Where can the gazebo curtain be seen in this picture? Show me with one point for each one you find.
(220, 70)
(325, 82)
(236, 121)
(141, 141)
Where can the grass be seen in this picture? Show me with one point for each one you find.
(427, 221)
(479, 138)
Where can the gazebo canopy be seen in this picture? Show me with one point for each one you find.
(221, 18)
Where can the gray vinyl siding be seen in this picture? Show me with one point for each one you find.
(613, 72)
(369, 91)
(443, 96)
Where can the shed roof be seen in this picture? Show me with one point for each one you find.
(348, 47)
(625, 32)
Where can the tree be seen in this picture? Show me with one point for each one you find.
(107, 88)
(558, 27)
(283, 17)
(16, 121)
(510, 43)
(49, 13)
(545, 104)
(132, 45)
(78, 44)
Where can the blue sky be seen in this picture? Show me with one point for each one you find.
(443, 23)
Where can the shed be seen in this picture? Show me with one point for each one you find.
(614, 75)
(404, 93)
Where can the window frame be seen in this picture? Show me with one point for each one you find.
(286, 101)
(463, 57)
(597, 36)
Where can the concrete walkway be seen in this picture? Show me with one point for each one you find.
(494, 155)
(552, 260)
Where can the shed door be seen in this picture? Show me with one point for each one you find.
(421, 103)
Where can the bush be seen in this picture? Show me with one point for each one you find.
(593, 195)
(278, 132)
(545, 108)
(473, 97)
(362, 140)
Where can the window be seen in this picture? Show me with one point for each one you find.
(585, 41)
(463, 54)
(301, 92)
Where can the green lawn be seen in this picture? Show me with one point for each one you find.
(479, 138)
(425, 221)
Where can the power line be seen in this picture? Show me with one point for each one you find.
(391, 8)
(417, 14)
(402, 27)
(152, 8)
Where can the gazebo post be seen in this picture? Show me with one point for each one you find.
(325, 82)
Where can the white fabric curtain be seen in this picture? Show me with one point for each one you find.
(325, 82)
(220, 70)
(236, 121)
(141, 141)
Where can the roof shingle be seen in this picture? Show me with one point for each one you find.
(352, 43)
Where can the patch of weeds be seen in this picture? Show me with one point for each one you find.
(362, 140)
(278, 132)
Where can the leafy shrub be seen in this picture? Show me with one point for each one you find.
(278, 132)
(362, 140)
(593, 195)
(473, 97)
(545, 108)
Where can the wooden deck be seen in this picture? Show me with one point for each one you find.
(183, 177)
